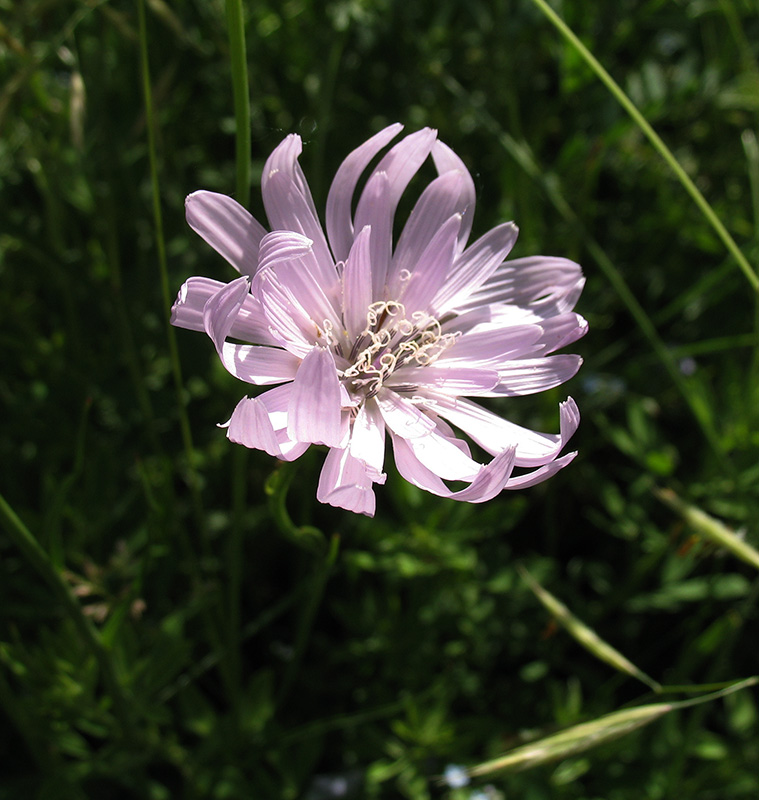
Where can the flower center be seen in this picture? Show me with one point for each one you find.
(391, 341)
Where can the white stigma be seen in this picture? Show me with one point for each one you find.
(391, 341)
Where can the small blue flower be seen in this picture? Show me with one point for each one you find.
(456, 776)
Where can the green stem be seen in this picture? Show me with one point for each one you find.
(209, 611)
(40, 562)
(307, 616)
(655, 140)
(176, 367)
(234, 560)
(241, 94)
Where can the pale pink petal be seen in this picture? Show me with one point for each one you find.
(346, 482)
(259, 365)
(442, 457)
(357, 285)
(289, 247)
(367, 441)
(403, 417)
(221, 310)
(287, 198)
(313, 412)
(546, 284)
(541, 474)
(560, 331)
(379, 200)
(449, 377)
(489, 482)
(429, 274)
(402, 162)
(445, 197)
(187, 311)
(475, 265)
(531, 375)
(289, 322)
(494, 434)
(376, 213)
(315, 290)
(276, 402)
(447, 161)
(227, 227)
(490, 347)
(340, 199)
(250, 425)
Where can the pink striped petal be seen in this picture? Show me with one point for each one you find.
(221, 310)
(487, 348)
(313, 412)
(403, 417)
(289, 322)
(443, 457)
(445, 197)
(431, 271)
(340, 198)
(539, 475)
(250, 425)
(495, 434)
(453, 378)
(475, 265)
(287, 198)
(561, 330)
(227, 227)
(546, 284)
(346, 482)
(447, 161)
(489, 482)
(357, 285)
(531, 375)
(376, 213)
(187, 311)
(259, 365)
(367, 442)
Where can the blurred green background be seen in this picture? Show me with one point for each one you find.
(231, 653)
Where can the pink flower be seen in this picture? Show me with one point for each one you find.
(365, 338)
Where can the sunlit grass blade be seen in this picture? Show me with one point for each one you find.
(587, 735)
(710, 528)
(655, 140)
(588, 638)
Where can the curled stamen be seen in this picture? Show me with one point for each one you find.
(390, 341)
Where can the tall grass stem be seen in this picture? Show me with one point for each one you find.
(241, 94)
(655, 140)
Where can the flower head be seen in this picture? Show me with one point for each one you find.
(365, 337)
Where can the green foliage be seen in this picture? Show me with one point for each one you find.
(193, 623)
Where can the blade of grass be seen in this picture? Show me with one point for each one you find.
(655, 140)
(210, 611)
(25, 541)
(587, 735)
(587, 637)
(176, 367)
(710, 528)
(241, 94)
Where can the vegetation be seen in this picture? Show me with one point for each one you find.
(179, 617)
